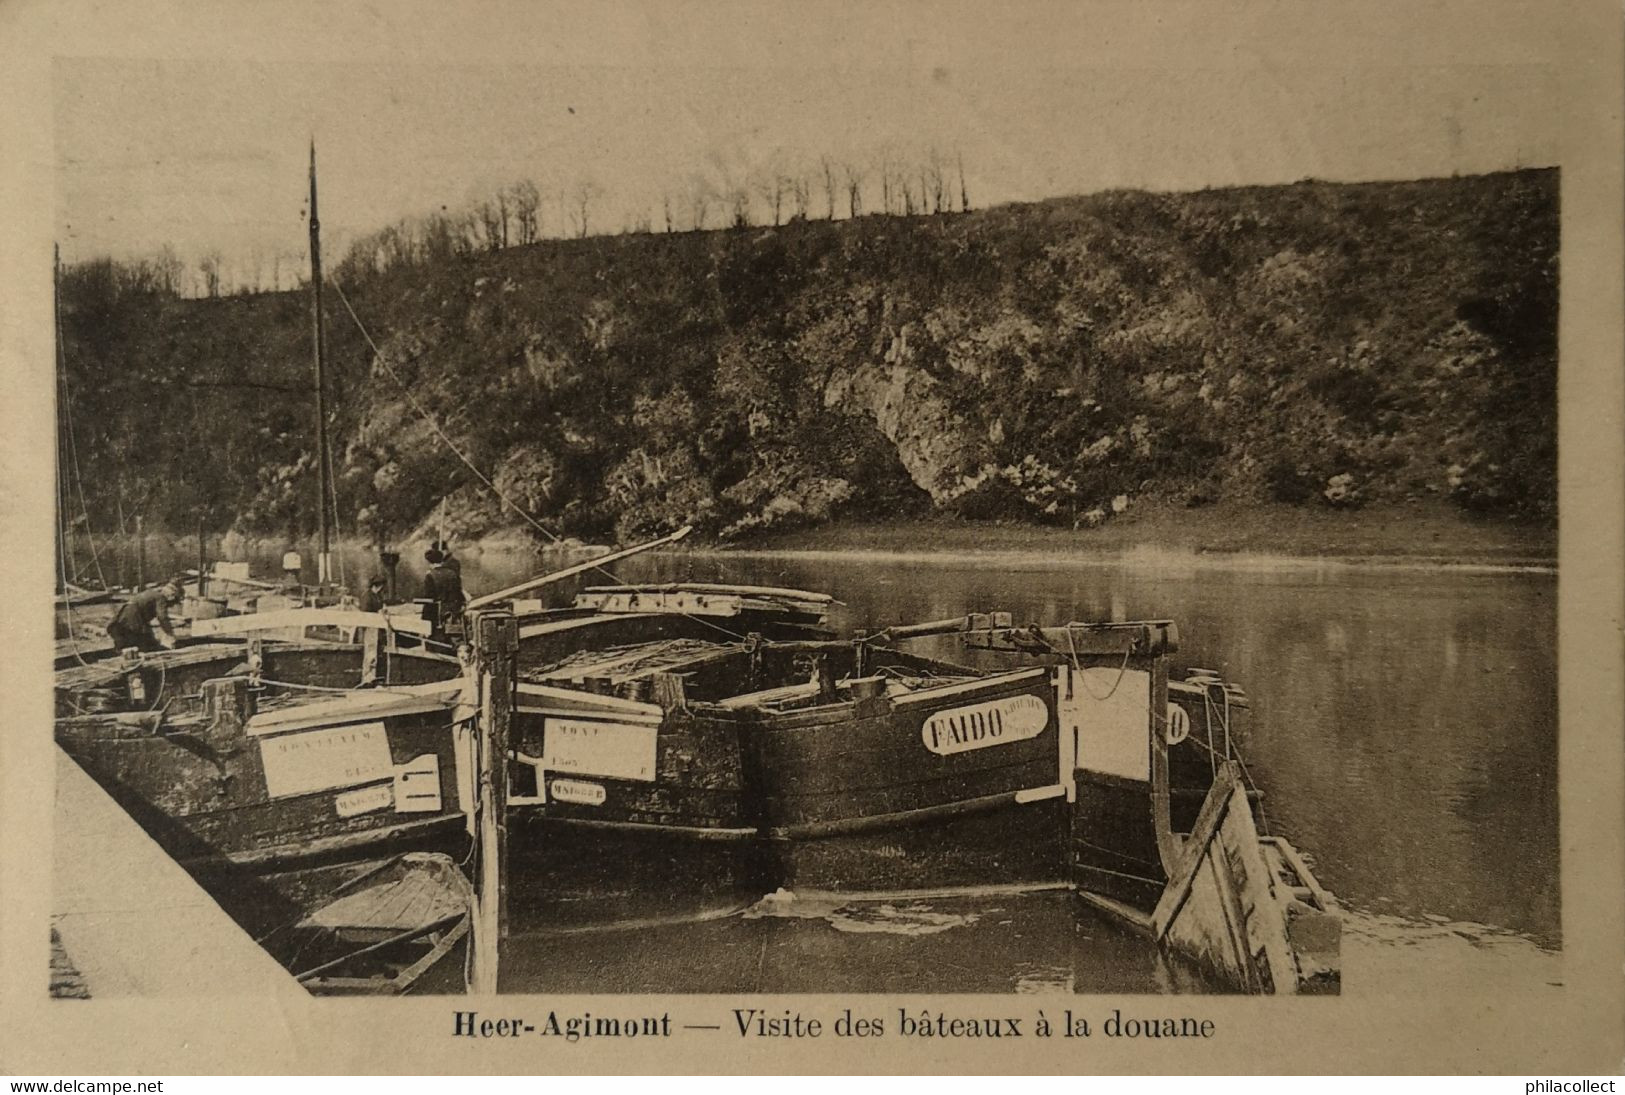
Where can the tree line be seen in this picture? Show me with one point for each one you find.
(726, 194)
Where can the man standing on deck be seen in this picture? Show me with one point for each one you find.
(448, 558)
(133, 624)
(444, 586)
(373, 599)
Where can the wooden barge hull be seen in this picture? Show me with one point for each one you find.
(869, 792)
(270, 805)
(948, 786)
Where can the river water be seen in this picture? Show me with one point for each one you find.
(1404, 729)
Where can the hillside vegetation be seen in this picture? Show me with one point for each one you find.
(1315, 344)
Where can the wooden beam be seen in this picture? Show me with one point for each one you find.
(309, 617)
(366, 706)
(1140, 637)
(579, 568)
(1202, 834)
(496, 642)
(976, 621)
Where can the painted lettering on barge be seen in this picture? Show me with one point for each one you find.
(577, 791)
(981, 725)
(321, 760)
(578, 747)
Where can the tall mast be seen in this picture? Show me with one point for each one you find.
(324, 561)
(63, 494)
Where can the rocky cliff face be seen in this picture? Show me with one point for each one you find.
(1318, 344)
(937, 447)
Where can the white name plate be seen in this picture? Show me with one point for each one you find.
(616, 750)
(320, 760)
(981, 725)
(417, 785)
(574, 790)
(364, 800)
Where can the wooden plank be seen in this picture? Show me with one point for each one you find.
(359, 707)
(108, 670)
(1266, 922)
(1320, 898)
(407, 977)
(1201, 837)
(962, 691)
(1122, 911)
(670, 690)
(400, 937)
(563, 623)
(1221, 908)
(303, 850)
(784, 693)
(606, 665)
(347, 618)
(544, 699)
(1229, 889)
(713, 605)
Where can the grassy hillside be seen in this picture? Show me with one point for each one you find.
(1315, 345)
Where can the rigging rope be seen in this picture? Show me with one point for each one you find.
(73, 449)
(67, 601)
(492, 487)
(333, 485)
(435, 426)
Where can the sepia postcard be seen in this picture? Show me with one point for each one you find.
(735, 537)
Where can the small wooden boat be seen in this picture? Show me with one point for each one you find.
(399, 928)
(1247, 908)
(1161, 828)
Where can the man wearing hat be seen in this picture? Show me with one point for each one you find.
(448, 558)
(133, 624)
(444, 586)
(373, 599)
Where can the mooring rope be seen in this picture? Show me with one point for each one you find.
(1083, 678)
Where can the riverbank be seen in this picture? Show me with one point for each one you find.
(1261, 535)
(1415, 535)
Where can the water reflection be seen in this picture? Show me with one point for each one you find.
(1404, 722)
(1404, 727)
(1013, 942)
